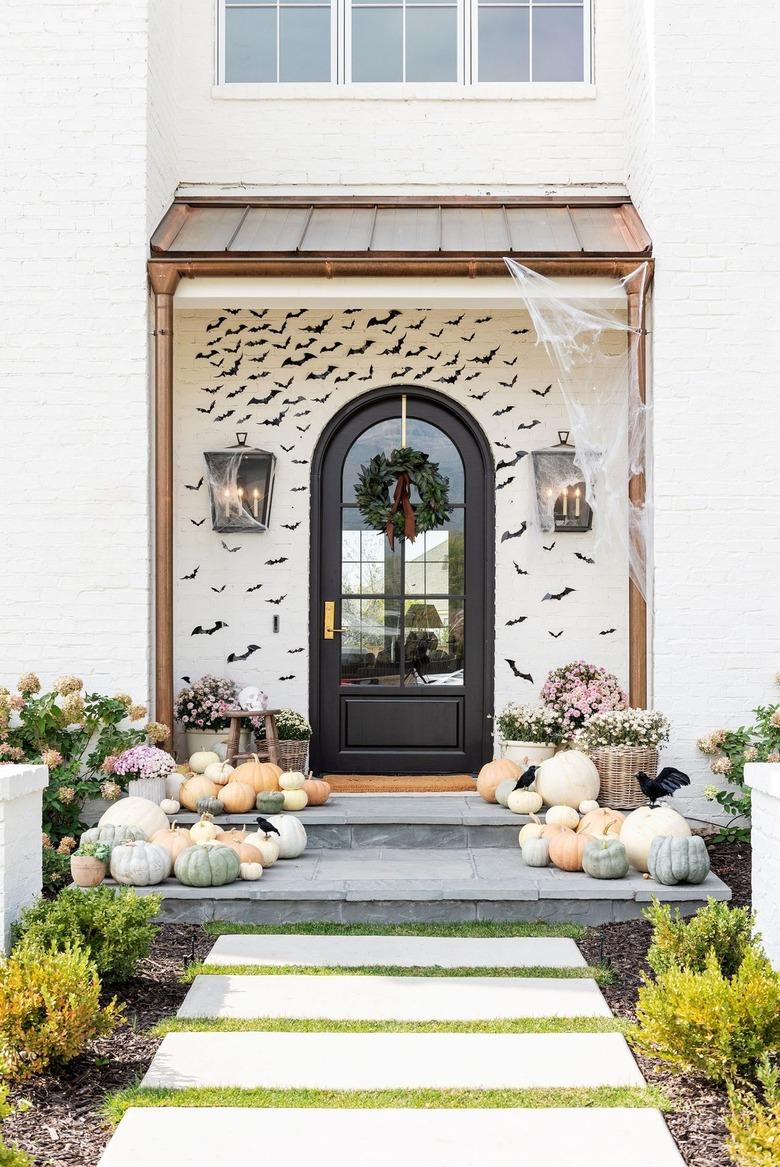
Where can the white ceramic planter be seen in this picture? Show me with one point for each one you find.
(151, 788)
(531, 752)
(216, 740)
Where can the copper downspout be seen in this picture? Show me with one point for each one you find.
(636, 290)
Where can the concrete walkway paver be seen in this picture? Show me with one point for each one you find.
(398, 951)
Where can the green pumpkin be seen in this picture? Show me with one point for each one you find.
(605, 858)
(113, 834)
(207, 865)
(672, 860)
(270, 801)
(504, 789)
(536, 851)
(209, 805)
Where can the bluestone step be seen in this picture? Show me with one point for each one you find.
(400, 951)
(377, 998)
(381, 1138)
(386, 1061)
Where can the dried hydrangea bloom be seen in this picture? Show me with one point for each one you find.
(73, 709)
(136, 712)
(9, 753)
(109, 764)
(156, 731)
(51, 758)
(45, 841)
(124, 699)
(711, 793)
(721, 766)
(110, 791)
(66, 845)
(773, 757)
(774, 719)
(17, 703)
(29, 683)
(707, 745)
(68, 684)
(751, 754)
(66, 795)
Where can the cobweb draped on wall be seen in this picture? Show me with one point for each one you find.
(598, 375)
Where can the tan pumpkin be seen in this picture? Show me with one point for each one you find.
(317, 791)
(204, 831)
(195, 788)
(246, 852)
(295, 800)
(237, 797)
(174, 840)
(602, 822)
(564, 816)
(259, 775)
(567, 849)
(492, 774)
(232, 835)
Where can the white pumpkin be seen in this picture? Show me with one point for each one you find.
(295, 799)
(202, 759)
(292, 835)
(266, 845)
(524, 802)
(135, 812)
(564, 816)
(140, 864)
(170, 806)
(567, 779)
(587, 805)
(251, 871)
(218, 772)
(292, 780)
(529, 831)
(205, 830)
(645, 824)
(172, 783)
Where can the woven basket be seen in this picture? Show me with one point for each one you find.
(617, 767)
(293, 755)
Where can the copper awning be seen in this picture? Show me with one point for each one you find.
(286, 232)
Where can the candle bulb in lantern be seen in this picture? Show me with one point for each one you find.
(227, 504)
(240, 500)
(565, 502)
(255, 502)
(577, 503)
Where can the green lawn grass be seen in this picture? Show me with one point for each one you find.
(600, 973)
(322, 1025)
(603, 1096)
(486, 929)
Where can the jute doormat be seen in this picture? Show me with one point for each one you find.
(399, 784)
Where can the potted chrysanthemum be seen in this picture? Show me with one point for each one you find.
(144, 769)
(622, 742)
(528, 733)
(294, 734)
(201, 710)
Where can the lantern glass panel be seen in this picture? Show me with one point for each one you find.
(241, 483)
(560, 489)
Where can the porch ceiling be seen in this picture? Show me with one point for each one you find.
(286, 230)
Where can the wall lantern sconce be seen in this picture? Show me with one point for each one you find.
(560, 489)
(241, 483)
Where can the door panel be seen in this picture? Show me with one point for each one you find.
(410, 622)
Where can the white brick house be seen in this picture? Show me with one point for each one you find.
(113, 110)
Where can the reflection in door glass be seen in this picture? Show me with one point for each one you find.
(433, 641)
(370, 644)
(368, 566)
(434, 561)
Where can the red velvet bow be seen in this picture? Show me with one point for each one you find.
(401, 499)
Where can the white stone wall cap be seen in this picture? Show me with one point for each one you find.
(764, 777)
(16, 781)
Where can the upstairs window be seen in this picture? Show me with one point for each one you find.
(404, 41)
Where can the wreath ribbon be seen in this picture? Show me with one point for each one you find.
(402, 500)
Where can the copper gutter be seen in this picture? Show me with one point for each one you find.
(637, 287)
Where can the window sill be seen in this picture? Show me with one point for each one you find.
(500, 91)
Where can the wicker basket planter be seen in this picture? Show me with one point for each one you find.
(617, 767)
(293, 754)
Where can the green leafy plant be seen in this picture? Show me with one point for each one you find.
(56, 869)
(113, 929)
(10, 1156)
(714, 1025)
(730, 750)
(49, 1008)
(716, 928)
(754, 1123)
(382, 493)
(100, 851)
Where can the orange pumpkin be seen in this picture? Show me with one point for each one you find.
(174, 840)
(492, 774)
(195, 788)
(245, 851)
(317, 791)
(232, 835)
(601, 822)
(259, 775)
(237, 797)
(567, 848)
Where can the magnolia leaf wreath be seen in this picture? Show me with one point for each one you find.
(397, 516)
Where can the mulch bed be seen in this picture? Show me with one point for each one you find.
(60, 1122)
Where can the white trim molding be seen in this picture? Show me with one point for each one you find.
(763, 778)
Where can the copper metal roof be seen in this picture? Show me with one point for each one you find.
(465, 228)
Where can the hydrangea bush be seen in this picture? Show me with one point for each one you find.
(624, 727)
(203, 706)
(579, 690)
(530, 723)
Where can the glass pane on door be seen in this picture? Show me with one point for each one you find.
(370, 644)
(433, 640)
(434, 561)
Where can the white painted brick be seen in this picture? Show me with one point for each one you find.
(21, 804)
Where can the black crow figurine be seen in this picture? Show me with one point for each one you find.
(527, 779)
(665, 784)
(266, 827)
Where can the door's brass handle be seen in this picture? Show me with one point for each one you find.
(328, 630)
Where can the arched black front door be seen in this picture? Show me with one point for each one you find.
(405, 683)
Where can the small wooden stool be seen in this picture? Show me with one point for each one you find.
(268, 751)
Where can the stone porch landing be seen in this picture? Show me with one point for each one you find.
(396, 858)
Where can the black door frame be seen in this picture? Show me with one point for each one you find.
(315, 525)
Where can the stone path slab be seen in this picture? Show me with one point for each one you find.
(370, 998)
(399, 951)
(386, 1061)
(380, 1138)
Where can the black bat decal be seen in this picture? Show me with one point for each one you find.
(478, 396)
(236, 392)
(486, 360)
(218, 590)
(187, 680)
(519, 569)
(517, 620)
(415, 352)
(233, 370)
(321, 376)
(394, 349)
(347, 377)
(542, 392)
(509, 384)
(215, 324)
(295, 315)
(501, 485)
(254, 588)
(520, 331)
(293, 400)
(241, 420)
(201, 410)
(512, 362)
(367, 377)
(607, 631)
(303, 413)
(306, 343)
(423, 373)
(456, 321)
(225, 416)
(516, 671)
(300, 461)
(205, 389)
(230, 549)
(393, 314)
(546, 548)
(273, 562)
(278, 599)
(297, 489)
(288, 677)
(287, 449)
(197, 522)
(397, 374)
(519, 455)
(235, 331)
(558, 595)
(196, 487)
(278, 331)
(228, 349)
(192, 574)
(472, 376)
(282, 385)
(419, 324)
(583, 558)
(258, 376)
(199, 630)
(483, 319)
(282, 346)
(468, 339)
(437, 334)
(501, 412)
(264, 400)
(258, 315)
(447, 380)
(250, 648)
(454, 361)
(348, 327)
(292, 651)
(275, 420)
(318, 328)
(301, 361)
(529, 425)
(291, 526)
(515, 534)
(321, 400)
(329, 348)
(555, 635)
